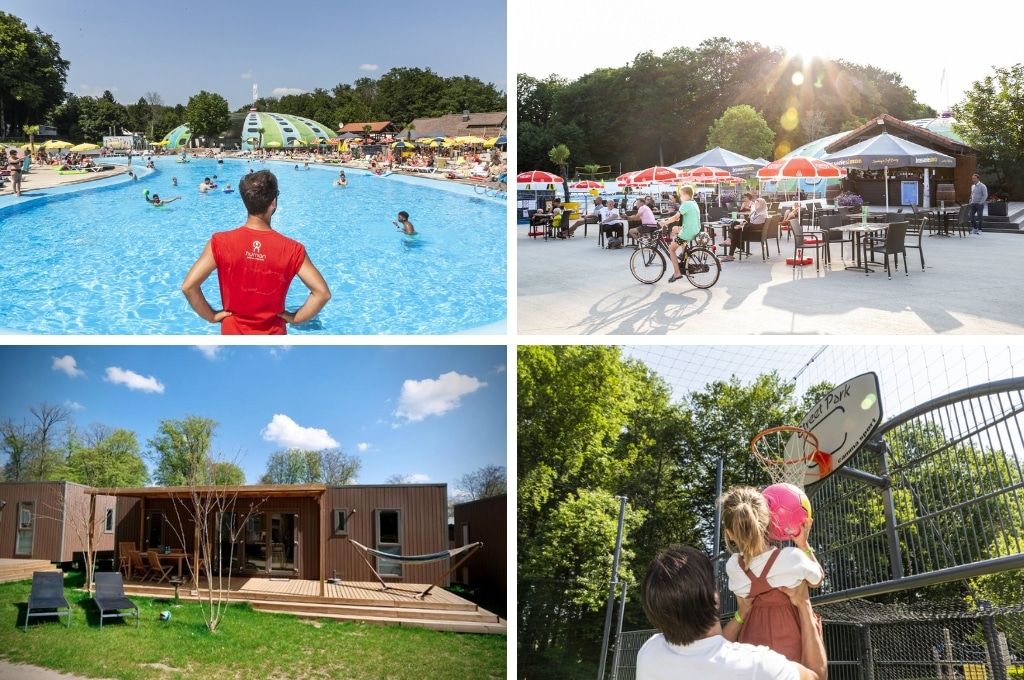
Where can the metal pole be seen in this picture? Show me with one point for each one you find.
(889, 507)
(611, 589)
(992, 642)
(717, 540)
(618, 632)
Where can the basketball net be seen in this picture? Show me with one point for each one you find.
(786, 452)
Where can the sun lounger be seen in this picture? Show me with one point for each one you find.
(110, 598)
(48, 595)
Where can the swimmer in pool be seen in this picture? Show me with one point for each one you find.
(342, 181)
(157, 201)
(228, 189)
(406, 225)
(205, 186)
(174, 181)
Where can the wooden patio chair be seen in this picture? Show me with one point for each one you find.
(138, 565)
(124, 560)
(110, 597)
(48, 595)
(157, 568)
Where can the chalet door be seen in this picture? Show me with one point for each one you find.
(283, 542)
(255, 543)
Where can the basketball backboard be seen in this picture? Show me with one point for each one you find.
(842, 421)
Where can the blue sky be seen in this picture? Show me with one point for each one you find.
(178, 49)
(433, 412)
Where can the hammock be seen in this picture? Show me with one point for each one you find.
(416, 559)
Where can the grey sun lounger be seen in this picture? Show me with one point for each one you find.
(48, 595)
(110, 598)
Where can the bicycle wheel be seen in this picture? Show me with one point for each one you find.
(702, 268)
(647, 264)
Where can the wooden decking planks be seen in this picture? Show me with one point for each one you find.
(21, 570)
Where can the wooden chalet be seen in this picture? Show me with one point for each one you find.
(485, 125)
(288, 549)
(948, 184)
(484, 520)
(50, 521)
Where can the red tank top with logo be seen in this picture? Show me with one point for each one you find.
(255, 268)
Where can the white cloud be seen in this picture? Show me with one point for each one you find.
(73, 405)
(247, 74)
(369, 67)
(500, 368)
(422, 398)
(285, 432)
(415, 479)
(133, 380)
(211, 352)
(363, 446)
(282, 91)
(67, 364)
(279, 351)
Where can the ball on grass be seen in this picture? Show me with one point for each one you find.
(788, 507)
(165, 615)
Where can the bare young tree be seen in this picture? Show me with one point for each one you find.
(47, 459)
(218, 517)
(16, 444)
(86, 518)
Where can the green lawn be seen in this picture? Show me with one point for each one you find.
(247, 644)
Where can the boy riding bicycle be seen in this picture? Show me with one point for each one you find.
(689, 217)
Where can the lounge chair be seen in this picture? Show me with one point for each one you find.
(48, 594)
(110, 597)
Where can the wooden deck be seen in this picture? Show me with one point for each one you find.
(350, 601)
(21, 570)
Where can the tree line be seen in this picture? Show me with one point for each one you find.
(33, 76)
(50, 446)
(592, 425)
(658, 109)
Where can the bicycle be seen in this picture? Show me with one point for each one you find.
(698, 264)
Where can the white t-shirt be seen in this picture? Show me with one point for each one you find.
(791, 567)
(713, 658)
(611, 215)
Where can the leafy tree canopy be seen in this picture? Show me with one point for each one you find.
(106, 457)
(295, 466)
(742, 130)
(181, 449)
(207, 114)
(991, 119)
(32, 72)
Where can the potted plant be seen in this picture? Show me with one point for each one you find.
(850, 200)
(997, 203)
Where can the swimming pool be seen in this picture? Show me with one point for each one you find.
(103, 261)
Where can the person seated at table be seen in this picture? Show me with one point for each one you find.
(752, 227)
(792, 213)
(612, 222)
(748, 202)
(595, 217)
(646, 216)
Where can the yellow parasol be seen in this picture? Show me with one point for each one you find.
(57, 144)
(85, 146)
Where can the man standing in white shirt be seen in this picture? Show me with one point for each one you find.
(681, 599)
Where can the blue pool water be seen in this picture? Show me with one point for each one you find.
(103, 261)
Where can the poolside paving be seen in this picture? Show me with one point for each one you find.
(970, 286)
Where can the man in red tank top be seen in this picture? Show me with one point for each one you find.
(255, 266)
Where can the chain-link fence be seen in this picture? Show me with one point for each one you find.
(867, 641)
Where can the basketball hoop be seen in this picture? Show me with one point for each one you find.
(790, 453)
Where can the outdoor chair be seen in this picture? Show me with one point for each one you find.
(158, 569)
(124, 560)
(963, 224)
(914, 236)
(138, 565)
(110, 598)
(805, 240)
(770, 230)
(830, 237)
(48, 595)
(894, 242)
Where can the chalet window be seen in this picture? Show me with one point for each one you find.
(389, 540)
(26, 527)
(340, 521)
(108, 522)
